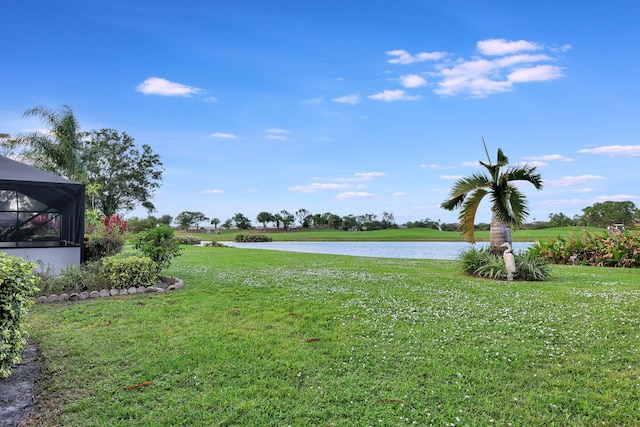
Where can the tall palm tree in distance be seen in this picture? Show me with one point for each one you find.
(508, 203)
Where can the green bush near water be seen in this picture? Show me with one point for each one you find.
(482, 263)
(252, 238)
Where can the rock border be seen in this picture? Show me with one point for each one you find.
(173, 284)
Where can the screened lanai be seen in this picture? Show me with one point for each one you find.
(40, 210)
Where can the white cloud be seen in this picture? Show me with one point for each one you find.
(223, 135)
(498, 47)
(160, 86)
(538, 73)
(584, 202)
(435, 167)
(354, 195)
(451, 176)
(404, 57)
(393, 95)
(550, 157)
(570, 181)
(504, 67)
(399, 194)
(312, 188)
(470, 164)
(614, 150)
(352, 99)
(534, 163)
(369, 175)
(276, 137)
(276, 130)
(617, 197)
(412, 80)
(215, 191)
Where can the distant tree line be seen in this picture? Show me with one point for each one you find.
(285, 220)
(604, 214)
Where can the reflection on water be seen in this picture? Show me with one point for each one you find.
(431, 250)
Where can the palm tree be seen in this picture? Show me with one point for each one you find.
(58, 152)
(509, 207)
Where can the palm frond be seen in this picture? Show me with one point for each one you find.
(463, 187)
(467, 214)
(502, 160)
(524, 173)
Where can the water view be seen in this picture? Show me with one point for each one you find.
(430, 250)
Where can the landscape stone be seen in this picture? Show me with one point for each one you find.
(63, 297)
(132, 290)
(94, 294)
(104, 293)
(84, 295)
(150, 289)
(122, 292)
(74, 296)
(41, 300)
(52, 298)
(113, 292)
(140, 289)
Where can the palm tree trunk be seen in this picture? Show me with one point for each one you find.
(498, 234)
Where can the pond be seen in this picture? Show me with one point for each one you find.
(430, 250)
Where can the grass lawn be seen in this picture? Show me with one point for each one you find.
(403, 235)
(266, 338)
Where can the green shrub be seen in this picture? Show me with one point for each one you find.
(189, 240)
(18, 282)
(530, 266)
(159, 244)
(87, 277)
(99, 246)
(252, 238)
(214, 244)
(126, 270)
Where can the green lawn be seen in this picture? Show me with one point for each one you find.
(266, 338)
(403, 235)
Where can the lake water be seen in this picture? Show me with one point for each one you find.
(430, 250)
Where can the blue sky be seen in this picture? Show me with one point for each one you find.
(344, 107)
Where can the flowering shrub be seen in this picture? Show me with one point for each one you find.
(606, 249)
(106, 239)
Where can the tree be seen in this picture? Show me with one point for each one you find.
(508, 204)
(126, 175)
(287, 219)
(264, 218)
(59, 151)
(605, 214)
(228, 224)
(215, 222)
(303, 217)
(241, 221)
(559, 220)
(188, 219)
(165, 219)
